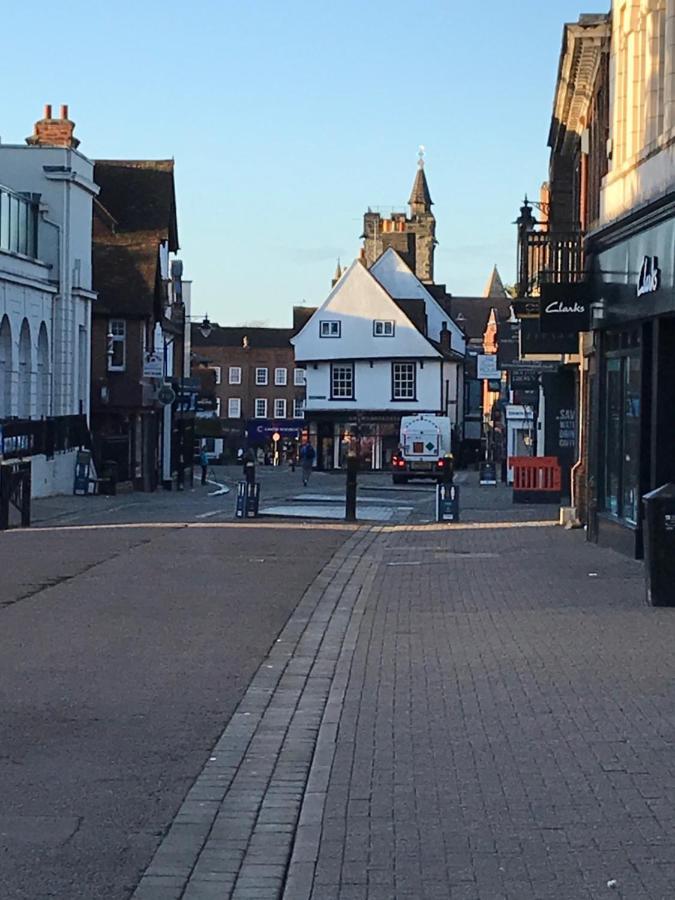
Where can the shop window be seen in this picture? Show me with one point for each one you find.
(621, 481)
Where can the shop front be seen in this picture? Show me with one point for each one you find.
(275, 441)
(633, 381)
(373, 437)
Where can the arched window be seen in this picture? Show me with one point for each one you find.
(5, 368)
(25, 370)
(42, 399)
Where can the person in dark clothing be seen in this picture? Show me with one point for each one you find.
(204, 463)
(307, 457)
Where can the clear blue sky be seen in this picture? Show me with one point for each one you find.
(287, 119)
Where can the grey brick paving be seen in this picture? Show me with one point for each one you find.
(233, 834)
(503, 727)
(472, 713)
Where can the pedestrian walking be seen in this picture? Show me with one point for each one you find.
(204, 463)
(307, 456)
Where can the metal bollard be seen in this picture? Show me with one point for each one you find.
(350, 499)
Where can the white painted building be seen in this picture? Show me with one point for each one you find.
(378, 348)
(46, 194)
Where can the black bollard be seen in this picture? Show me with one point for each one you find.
(350, 499)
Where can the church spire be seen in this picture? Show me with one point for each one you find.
(420, 198)
(495, 285)
(338, 274)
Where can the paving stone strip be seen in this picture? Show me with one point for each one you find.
(232, 836)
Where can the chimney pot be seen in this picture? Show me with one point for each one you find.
(64, 110)
(48, 111)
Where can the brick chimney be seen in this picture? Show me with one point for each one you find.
(50, 132)
(445, 336)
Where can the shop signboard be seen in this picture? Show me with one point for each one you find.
(507, 342)
(153, 364)
(564, 308)
(524, 379)
(536, 342)
(486, 366)
(259, 430)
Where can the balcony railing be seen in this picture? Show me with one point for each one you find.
(550, 257)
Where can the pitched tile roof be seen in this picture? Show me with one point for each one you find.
(134, 214)
(233, 336)
(472, 313)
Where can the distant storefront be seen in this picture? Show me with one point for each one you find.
(633, 443)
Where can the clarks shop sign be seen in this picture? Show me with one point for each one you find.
(650, 276)
(564, 308)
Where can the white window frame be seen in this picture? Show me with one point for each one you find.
(383, 328)
(280, 407)
(340, 394)
(299, 408)
(397, 382)
(230, 414)
(219, 373)
(263, 414)
(234, 375)
(299, 377)
(281, 377)
(261, 376)
(218, 405)
(119, 336)
(330, 328)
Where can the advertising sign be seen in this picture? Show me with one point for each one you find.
(535, 342)
(153, 364)
(486, 366)
(507, 342)
(564, 308)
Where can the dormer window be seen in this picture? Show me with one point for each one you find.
(383, 328)
(329, 329)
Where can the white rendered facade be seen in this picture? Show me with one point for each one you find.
(367, 364)
(45, 292)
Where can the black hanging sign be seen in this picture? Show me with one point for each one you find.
(536, 342)
(564, 308)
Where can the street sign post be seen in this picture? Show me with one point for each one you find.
(166, 395)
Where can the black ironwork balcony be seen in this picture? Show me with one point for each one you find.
(550, 257)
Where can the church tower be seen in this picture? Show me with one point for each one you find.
(413, 237)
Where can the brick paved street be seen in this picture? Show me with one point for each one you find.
(476, 713)
(506, 730)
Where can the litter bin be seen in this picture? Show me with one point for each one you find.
(660, 545)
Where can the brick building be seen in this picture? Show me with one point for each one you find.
(258, 389)
(139, 335)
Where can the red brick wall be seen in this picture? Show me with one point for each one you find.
(249, 359)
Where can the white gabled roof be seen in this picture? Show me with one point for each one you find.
(356, 301)
(400, 281)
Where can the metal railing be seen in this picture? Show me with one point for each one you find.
(552, 258)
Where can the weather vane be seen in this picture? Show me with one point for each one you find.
(420, 153)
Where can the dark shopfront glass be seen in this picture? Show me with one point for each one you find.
(622, 428)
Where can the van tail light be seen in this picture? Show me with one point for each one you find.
(441, 464)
